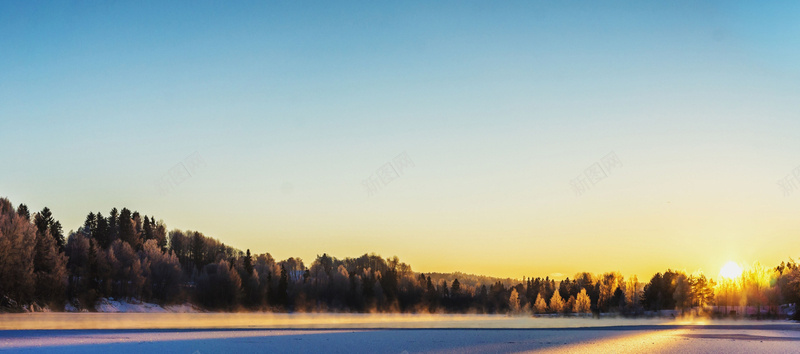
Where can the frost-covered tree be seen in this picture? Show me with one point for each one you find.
(160, 233)
(126, 268)
(582, 303)
(540, 306)
(633, 292)
(606, 287)
(294, 268)
(165, 271)
(569, 306)
(755, 281)
(513, 301)
(788, 281)
(556, 303)
(17, 242)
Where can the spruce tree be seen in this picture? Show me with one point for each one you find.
(147, 229)
(248, 263)
(283, 287)
(455, 289)
(49, 263)
(102, 232)
(90, 225)
(42, 220)
(22, 210)
(127, 233)
(57, 232)
(113, 230)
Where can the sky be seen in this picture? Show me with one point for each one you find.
(451, 134)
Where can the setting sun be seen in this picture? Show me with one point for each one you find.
(730, 270)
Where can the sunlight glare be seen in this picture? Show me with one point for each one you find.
(730, 270)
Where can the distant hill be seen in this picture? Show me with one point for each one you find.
(470, 280)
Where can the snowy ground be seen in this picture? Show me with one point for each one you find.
(114, 306)
(389, 334)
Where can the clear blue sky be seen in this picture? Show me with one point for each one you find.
(500, 105)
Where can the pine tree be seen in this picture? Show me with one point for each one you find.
(49, 264)
(443, 291)
(92, 271)
(283, 287)
(248, 263)
(148, 229)
(127, 233)
(102, 234)
(57, 232)
(455, 289)
(22, 210)
(113, 229)
(42, 220)
(90, 225)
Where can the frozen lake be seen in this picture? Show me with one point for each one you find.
(346, 333)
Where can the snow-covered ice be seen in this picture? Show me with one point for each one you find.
(352, 333)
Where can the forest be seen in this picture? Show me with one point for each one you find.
(134, 258)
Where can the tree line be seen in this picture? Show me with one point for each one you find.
(127, 256)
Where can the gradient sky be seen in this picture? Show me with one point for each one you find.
(292, 105)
